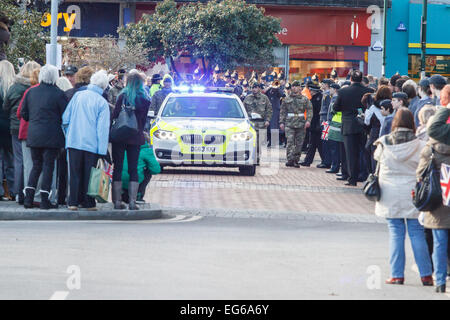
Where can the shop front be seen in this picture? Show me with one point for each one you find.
(319, 41)
(315, 41)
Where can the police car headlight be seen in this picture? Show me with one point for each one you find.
(165, 135)
(241, 136)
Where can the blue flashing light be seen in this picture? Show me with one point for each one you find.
(183, 88)
(198, 89)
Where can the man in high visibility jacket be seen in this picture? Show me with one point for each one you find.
(335, 144)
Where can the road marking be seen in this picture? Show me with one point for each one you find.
(59, 295)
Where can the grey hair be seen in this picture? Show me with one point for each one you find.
(100, 79)
(7, 76)
(49, 74)
(64, 84)
(410, 82)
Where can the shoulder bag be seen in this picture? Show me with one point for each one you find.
(372, 189)
(427, 195)
(125, 125)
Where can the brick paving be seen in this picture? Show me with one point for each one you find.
(274, 189)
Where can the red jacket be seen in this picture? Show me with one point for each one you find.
(23, 129)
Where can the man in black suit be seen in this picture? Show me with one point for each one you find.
(349, 101)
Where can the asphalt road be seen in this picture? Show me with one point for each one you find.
(200, 258)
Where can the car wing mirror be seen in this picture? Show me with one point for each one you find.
(151, 114)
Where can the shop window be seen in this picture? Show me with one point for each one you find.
(433, 65)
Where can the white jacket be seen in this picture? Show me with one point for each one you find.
(397, 177)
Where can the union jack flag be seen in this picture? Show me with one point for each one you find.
(445, 183)
(325, 130)
(109, 169)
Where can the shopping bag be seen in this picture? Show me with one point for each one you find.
(99, 183)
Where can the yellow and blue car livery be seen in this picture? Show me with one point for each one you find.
(219, 140)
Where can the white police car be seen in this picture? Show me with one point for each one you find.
(204, 127)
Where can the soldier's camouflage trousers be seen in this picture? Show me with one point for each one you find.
(294, 137)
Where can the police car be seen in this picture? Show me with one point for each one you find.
(204, 127)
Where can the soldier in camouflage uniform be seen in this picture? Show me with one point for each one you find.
(293, 122)
(258, 102)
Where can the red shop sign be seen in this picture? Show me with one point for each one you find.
(322, 27)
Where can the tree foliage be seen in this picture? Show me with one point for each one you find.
(28, 38)
(228, 33)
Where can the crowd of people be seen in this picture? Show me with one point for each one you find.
(362, 126)
(54, 128)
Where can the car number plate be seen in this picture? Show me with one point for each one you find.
(203, 149)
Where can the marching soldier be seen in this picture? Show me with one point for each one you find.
(257, 102)
(217, 80)
(295, 116)
(334, 75)
(245, 89)
(197, 77)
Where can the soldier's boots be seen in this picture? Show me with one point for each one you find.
(292, 163)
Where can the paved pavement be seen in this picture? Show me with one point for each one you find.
(200, 258)
(275, 188)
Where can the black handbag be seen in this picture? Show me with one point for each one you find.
(125, 125)
(372, 189)
(427, 195)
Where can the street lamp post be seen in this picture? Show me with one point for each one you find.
(53, 32)
(423, 39)
(383, 71)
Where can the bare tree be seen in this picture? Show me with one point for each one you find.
(105, 53)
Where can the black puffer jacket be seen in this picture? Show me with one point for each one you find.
(12, 100)
(43, 107)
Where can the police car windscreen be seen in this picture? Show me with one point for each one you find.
(202, 107)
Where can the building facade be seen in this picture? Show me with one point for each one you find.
(317, 35)
(403, 38)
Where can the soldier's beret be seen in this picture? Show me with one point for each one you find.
(437, 79)
(254, 85)
(335, 86)
(327, 81)
(296, 83)
(386, 103)
(400, 95)
(424, 82)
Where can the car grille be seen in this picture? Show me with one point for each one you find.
(192, 138)
(214, 139)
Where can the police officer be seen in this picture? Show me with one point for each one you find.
(326, 99)
(257, 102)
(295, 116)
(315, 130)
